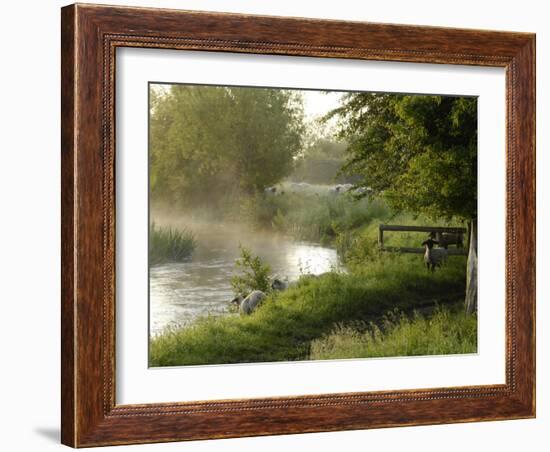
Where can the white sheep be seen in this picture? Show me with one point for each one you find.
(280, 284)
(362, 191)
(434, 257)
(341, 188)
(248, 304)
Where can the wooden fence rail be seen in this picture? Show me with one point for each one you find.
(404, 228)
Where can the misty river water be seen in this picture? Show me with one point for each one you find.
(181, 292)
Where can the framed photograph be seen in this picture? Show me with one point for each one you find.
(281, 225)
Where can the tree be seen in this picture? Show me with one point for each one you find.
(420, 152)
(320, 162)
(208, 142)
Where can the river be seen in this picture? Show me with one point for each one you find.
(181, 292)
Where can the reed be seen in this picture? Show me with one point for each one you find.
(168, 244)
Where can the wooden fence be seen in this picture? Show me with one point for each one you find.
(435, 229)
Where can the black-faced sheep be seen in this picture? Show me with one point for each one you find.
(279, 284)
(249, 303)
(433, 257)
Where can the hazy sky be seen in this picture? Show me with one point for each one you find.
(318, 103)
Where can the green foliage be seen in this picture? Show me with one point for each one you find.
(311, 217)
(360, 245)
(168, 244)
(419, 151)
(326, 148)
(321, 162)
(284, 326)
(210, 142)
(446, 332)
(254, 274)
(348, 224)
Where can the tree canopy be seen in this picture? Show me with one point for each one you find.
(320, 162)
(207, 142)
(420, 151)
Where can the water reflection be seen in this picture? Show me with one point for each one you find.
(180, 292)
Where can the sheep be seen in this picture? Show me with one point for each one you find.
(249, 303)
(362, 191)
(273, 191)
(341, 188)
(346, 187)
(279, 284)
(434, 257)
(299, 186)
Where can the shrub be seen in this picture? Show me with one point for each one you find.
(254, 274)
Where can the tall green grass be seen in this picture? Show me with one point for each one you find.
(284, 326)
(446, 332)
(349, 224)
(167, 244)
(315, 217)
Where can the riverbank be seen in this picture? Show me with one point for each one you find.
(285, 326)
(309, 321)
(182, 292)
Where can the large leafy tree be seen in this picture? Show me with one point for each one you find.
(420, 152)
(207, 142)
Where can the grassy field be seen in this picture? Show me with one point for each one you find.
(300, 322)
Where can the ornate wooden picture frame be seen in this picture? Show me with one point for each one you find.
(90, 37)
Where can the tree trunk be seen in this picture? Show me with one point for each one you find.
(471, 269)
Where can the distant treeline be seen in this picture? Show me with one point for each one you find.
(318, 170)
(321, 163)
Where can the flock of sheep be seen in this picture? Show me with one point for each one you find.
(249, 303)
(304, 187)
